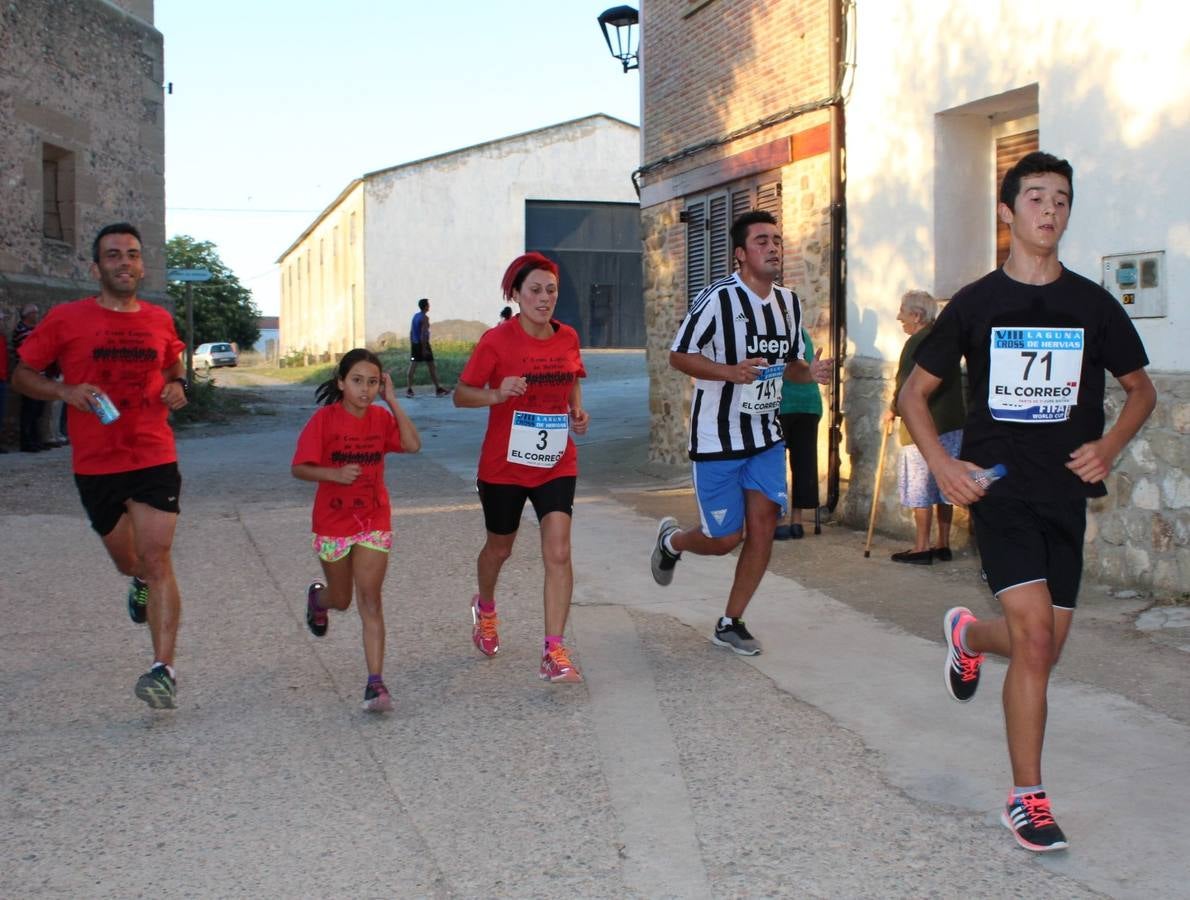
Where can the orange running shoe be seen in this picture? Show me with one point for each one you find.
(483, 629)
(557, 668)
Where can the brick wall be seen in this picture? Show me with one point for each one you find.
(778, 56)
(776, 52)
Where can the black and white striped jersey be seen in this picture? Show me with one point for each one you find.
(728, 323)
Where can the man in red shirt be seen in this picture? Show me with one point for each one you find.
(115, 347)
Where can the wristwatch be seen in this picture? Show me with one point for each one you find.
(184, 383)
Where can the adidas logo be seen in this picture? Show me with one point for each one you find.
(719, 515)
(741, 318)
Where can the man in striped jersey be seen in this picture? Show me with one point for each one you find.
(740, 338)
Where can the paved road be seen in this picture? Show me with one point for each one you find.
(833, 765)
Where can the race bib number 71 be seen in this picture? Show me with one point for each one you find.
(1034, 373)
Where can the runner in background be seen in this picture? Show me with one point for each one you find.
(526, 372)
(740, 341)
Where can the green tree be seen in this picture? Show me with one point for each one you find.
(223, 308)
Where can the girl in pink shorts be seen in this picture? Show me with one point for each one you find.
(342, 448)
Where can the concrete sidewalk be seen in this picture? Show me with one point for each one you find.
(834, 765)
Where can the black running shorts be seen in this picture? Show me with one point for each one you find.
(504, 503)
(1025, 541)
(421, 352)
(104, 496)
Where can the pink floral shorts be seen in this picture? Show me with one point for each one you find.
(332, 549)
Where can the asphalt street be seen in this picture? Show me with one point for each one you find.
(832, 765)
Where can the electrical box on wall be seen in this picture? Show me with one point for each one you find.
(1137, 280)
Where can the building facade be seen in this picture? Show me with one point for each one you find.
(445, 227)
(748, 125)
(82, 144)
(937, 101)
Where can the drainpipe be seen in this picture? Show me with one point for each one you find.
(838, 255)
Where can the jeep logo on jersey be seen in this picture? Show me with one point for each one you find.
(777, 348)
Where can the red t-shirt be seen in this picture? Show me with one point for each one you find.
(539, 448)
(334, 437)
(125, 355)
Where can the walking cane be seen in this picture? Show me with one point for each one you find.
(876, 488)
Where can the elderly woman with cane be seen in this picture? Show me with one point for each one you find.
(918, 490)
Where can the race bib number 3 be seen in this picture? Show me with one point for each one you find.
(764, 394)
(537, 439)
(1034, 373)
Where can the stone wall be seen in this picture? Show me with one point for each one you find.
(80, 84)
(1138, 536)
(663, 263)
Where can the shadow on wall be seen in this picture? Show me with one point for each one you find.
(1133, 174)
(1133, 177)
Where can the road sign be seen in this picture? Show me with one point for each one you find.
(187, 274)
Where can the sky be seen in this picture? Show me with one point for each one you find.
(277, 105)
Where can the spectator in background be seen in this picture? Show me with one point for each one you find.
(4, 373)
(420, 350)
(918, 489)
(505, 315)
(31, 408)
(800, 412)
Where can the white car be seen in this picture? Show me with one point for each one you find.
(214, 356)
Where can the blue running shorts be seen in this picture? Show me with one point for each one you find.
(719, 486)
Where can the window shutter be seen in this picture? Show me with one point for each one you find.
(718, 238)
(768, 198)
(696, 248)
(1009, 149)
(741, 202)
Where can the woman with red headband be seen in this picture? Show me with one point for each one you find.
(526, 371)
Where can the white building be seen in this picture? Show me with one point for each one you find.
(942, 93)
(446, 227)
(938, 86)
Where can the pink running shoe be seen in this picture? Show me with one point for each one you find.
(483, 629)
(962, 669)
(377, 699)
(557, 668)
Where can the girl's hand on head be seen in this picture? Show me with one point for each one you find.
(387, 392)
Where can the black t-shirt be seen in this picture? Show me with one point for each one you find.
(1036, 357)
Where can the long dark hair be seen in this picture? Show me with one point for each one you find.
(328, 392)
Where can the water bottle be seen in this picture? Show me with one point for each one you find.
(104, 408)
(985, 477)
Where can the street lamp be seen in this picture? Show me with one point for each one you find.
(624, 19)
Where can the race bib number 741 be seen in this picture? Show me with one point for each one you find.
(764, 394)
(1034, 374)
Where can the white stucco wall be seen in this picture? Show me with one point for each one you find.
(321, 300)
(447, 227)
(1112, 86)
